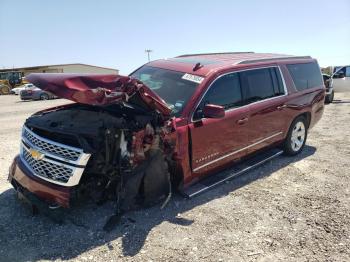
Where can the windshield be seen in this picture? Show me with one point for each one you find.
(169, 85)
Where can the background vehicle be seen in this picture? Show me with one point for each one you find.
(328, 82)
(9, 80)
(341, 78)
(36, 94)
(17, 90)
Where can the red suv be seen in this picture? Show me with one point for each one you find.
(171, 123)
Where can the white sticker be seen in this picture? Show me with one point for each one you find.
(178, 104)
(193, 78)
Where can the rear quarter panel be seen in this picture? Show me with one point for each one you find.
(299, 102)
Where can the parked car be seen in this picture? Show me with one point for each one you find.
(17, 90)
(170, 124)
(341, 79)
(36, 94)
(328, 82)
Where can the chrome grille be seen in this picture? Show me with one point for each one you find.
(55, 162)
(55, 149)
(48, 170)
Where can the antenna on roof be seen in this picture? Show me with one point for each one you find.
(197, 66)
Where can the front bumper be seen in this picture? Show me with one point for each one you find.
(24, 181)
(29, 97)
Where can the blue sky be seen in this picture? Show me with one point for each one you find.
(116, 33)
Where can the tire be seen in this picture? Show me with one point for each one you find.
(149, 184)
(329, 98)
(296, 137)
(44, 97)
(4, 90)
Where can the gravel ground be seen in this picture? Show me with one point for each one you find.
(290, 209)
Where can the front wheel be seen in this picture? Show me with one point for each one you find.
(44, 97)
(296, 137)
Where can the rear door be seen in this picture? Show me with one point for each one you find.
(217, 142)
(265, 93)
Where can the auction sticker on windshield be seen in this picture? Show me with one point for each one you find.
(193, 78)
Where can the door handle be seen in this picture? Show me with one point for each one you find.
(242, 121)
(281, 107)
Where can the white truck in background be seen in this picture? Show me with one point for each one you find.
(341, 78)
(338, 82)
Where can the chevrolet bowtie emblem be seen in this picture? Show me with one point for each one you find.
(36, 154)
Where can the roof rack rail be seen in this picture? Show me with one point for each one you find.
(223, 53)
(249, 61)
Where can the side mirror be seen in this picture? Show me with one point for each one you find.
(213, 111)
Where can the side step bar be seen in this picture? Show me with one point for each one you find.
(219, 178)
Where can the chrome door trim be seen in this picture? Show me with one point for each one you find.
(236, 151)
(257, 102)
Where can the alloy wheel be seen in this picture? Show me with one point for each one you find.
(298, 136)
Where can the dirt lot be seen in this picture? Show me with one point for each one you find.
(290, 209)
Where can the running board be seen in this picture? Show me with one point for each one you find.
(219, 178)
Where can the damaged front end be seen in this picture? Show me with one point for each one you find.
(112, 145)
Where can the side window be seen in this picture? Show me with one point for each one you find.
(347, 71)
(225, 91)
(305, 75)
(260, 84)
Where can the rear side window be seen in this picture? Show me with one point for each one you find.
(305, 75)
(260, 84)
(225, 91)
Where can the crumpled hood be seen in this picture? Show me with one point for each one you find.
(96, 89)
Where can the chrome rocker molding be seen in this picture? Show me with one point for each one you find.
(230, 173)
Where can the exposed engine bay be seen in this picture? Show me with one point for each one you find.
(130, 157)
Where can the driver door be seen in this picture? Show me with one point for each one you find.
(217, 142)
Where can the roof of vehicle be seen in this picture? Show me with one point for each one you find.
(209, 62)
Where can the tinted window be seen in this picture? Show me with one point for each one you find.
(347, 71)
(259, 84)
(225, 91)
(305, 75)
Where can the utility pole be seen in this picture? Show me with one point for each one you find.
(148, 51)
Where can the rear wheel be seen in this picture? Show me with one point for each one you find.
(296, 137)
(44, 97)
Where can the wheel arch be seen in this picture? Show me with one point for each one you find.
(307, 116)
